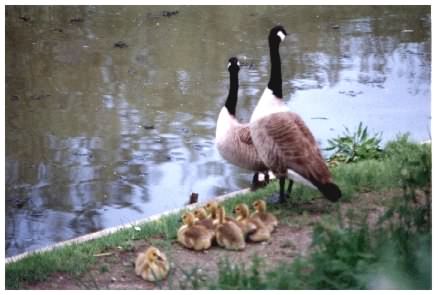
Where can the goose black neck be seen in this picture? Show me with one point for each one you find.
(231, 102)
(275, 82)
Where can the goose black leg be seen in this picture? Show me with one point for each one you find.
(255, 182)
(282, 194)
(278, 198)
(267, 180)
(289, 187)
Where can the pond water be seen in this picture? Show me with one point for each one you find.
(111, 111)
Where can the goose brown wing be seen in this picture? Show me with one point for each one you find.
(244, 135)
(296, 146)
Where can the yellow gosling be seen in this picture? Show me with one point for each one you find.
(257, 231)
(194, 236)
(228, 234)
(152, 265)
(268, 219)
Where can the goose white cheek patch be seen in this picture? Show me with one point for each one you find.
(281, 35)
(229, 64)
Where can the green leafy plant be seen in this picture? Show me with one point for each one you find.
(356, 146)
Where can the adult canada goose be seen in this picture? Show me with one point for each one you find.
(233, 139)
(283, 141)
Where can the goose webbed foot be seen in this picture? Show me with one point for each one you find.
(276, 198)
(281, 196)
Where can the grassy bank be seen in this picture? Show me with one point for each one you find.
(395, 253)
(346, 252)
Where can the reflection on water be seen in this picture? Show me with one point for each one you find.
(111, 111)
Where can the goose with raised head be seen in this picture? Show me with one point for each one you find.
(268, 219)
(228, 234)
(202, 219)
(283, 141)
(259, 232)
(233, 139)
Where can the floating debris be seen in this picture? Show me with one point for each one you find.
(24, 18)
(76, 20)
(19, 203)
(148, 127)
(250, 65)
(39, 97)
(407, 31)
(351, 93)
(197, 147)
(166, 13)
(120, 44)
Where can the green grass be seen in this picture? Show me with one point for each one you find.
(349, 254)
(76, 259)
(355, 146)
(344, 257)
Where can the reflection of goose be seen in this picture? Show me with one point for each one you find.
(281, 137)
(233, 139)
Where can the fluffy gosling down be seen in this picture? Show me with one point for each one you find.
(152, 265)
(268, 219)
(194, 236)
(258, 231)
(228, 233)
(202, 219)
(211, 209)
